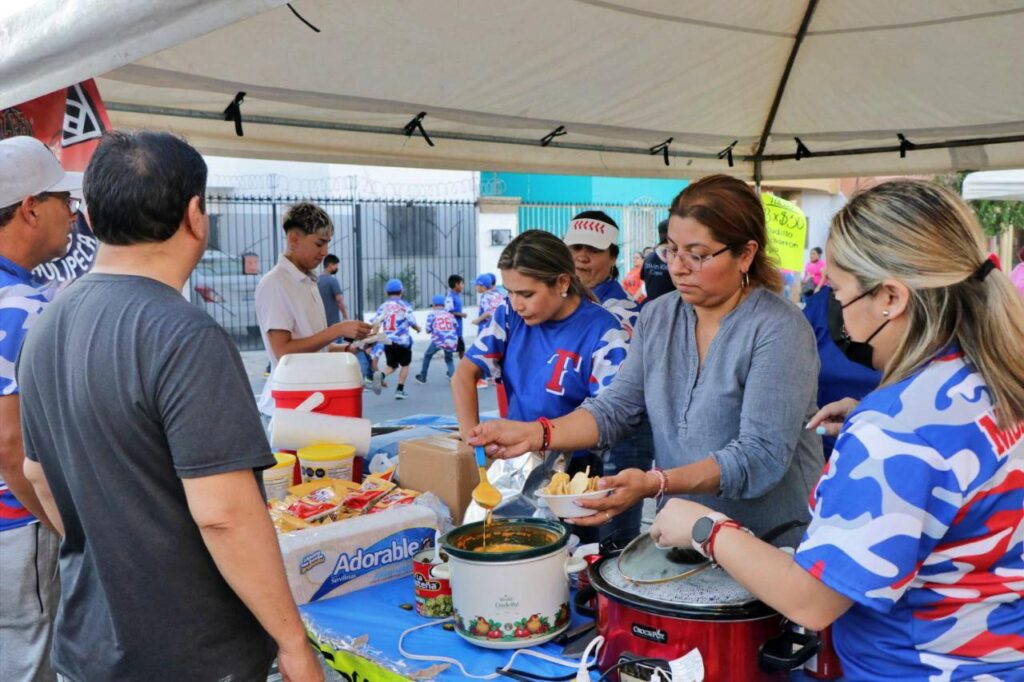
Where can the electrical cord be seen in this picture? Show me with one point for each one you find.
(635, 661)
(582, 667)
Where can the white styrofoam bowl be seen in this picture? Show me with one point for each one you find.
(565, 507)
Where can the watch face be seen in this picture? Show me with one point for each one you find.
(702, 529)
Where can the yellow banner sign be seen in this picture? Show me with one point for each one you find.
(787, 232)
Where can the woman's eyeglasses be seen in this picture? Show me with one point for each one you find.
(692, 261)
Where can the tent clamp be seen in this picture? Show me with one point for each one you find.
(801, 149)
(557, 132)
(233, 112)
(417, 124)
(661, 149)
(727, 153)
(905, 145)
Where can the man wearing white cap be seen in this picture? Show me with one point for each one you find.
(36, 216)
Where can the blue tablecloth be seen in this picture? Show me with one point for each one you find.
(375, 612)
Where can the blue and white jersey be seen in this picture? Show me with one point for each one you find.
(441, 327)
(549, 369)
(919, 519)
(21, 303)
(453, 304)
(488, 303)
(615, 300)
(396, 317)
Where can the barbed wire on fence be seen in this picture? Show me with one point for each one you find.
(347, 187)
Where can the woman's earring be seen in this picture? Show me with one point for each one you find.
(565, 294)
(885, 313)
(746, 280)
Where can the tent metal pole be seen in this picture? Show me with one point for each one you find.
(758, 161)
(382, 130)
(781, 90)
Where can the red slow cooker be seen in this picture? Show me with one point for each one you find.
(737, 637)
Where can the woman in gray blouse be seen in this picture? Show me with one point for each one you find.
(726, 372)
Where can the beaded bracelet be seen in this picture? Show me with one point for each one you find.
(548, 428)
(662, 485)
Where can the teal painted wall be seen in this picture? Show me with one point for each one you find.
(577, 189)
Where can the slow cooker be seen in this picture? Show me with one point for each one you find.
(736, 636)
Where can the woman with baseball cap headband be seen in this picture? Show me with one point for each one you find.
(593, 238)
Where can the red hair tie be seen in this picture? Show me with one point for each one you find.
(991, 263)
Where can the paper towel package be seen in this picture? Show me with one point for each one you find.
(349, 555)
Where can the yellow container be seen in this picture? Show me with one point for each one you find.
(326, 461)
(278, 478)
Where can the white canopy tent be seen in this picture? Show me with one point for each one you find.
(1005, 185)
(670, 88)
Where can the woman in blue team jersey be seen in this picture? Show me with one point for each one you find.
(549, 344)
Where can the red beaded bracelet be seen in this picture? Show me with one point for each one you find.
(548, 428)
(710, 544)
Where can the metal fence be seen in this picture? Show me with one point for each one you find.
(638, 223)
(419, 242)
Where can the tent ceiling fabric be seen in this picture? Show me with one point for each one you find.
(622, 76)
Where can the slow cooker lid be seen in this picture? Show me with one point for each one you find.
(710, 594)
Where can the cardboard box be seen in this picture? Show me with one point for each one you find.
(345, 556)
(442, 465)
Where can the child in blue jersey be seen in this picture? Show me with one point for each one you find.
(548, 344)
(395, 317)
(441, 327)
(915, 550)
(453, 304)
(488, 300)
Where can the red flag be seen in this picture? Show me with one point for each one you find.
(70, 122)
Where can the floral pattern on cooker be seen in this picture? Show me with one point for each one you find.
(537, 625)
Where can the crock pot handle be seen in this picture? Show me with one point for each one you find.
(442, 571)
(778, 654)
(574, 565)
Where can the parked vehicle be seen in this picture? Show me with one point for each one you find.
(220, 287)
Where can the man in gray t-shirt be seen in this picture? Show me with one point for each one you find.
(137, 409)
(330, 291)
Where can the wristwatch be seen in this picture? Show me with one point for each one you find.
(703, 529)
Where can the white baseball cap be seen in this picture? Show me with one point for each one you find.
(28, 168)
(592, 232)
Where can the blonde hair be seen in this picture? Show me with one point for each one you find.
(926, 237)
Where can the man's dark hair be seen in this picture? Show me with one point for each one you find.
(309, 218)
(663, 231)
(138, 186)
(330, 259)
(7, 213)
(453, 281)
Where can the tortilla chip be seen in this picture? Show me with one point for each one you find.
(559, 484)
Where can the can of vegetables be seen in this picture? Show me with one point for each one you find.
(433, 594)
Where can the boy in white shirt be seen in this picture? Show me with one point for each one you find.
(288, 303)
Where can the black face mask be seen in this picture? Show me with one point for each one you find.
(860, 352)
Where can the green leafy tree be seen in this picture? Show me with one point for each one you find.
(995, 216)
